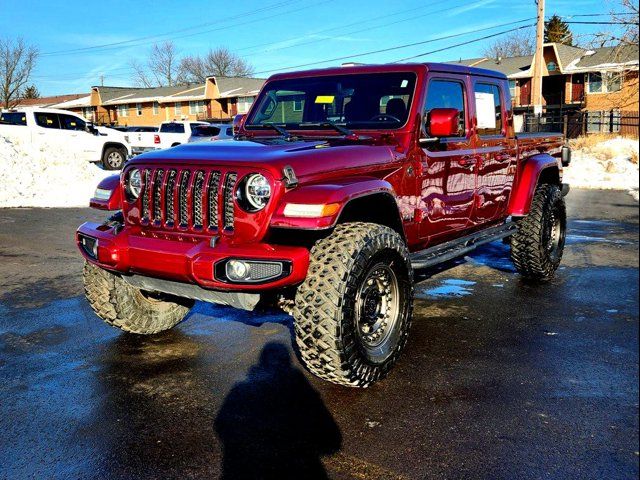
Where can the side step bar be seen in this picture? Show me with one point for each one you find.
(461, 246)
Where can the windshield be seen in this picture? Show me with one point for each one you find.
(356, 101)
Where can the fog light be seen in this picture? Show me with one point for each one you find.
(252, 271)
(90, 246)
(238, 271)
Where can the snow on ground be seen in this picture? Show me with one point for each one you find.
(609, 165)
(45, 177)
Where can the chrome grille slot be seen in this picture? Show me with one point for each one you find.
(198, 185)
(183, 199)
(146, 184)
(212, 199)
(157, 195)
(169, 201)
(229, 184)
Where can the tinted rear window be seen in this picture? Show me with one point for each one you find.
(204, 131)
(47, 120)
(172, 128)
(14, 118)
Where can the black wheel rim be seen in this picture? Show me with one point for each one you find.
(555, 233)
(377, 311)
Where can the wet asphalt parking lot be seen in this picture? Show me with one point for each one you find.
(501, 379)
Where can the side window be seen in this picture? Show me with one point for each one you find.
(69, 122)
(47, 120)
(488, 109)
(447, 94)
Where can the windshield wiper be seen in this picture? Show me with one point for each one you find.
(328, 123)
(282, 131)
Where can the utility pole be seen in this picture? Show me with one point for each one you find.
(102, 80)
(538, 64)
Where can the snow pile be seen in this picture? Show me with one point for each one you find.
(45, 177)
(609, 165)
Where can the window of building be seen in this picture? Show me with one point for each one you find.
(87, 112)
(512, 88)
(139, 109)
(196, 107)
(298, 104)
(488, 109)
(156, 108)
(447, 94)
(244, 104)
(609, 82)
(177, 108)
(123, 110)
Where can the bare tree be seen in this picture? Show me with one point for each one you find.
(162, 67)
(518, 44)
(219, 62)
(17, 61)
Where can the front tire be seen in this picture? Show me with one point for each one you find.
(113, 159)
(538, 244)
(353, 312)
(128, 308)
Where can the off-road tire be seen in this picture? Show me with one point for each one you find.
(113, 152)
(126, 307)
(325, 327)
(530, 250)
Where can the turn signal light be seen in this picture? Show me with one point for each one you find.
(301, 210)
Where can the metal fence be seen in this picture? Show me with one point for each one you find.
(577, 123)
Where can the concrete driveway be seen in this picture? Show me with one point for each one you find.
(501, 379)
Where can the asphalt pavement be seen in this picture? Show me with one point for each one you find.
(501, 379)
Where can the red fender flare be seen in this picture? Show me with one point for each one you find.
(336, 192)
(114, 202)
(528, 180)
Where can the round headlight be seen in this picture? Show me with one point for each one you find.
(134, 184)
(256, 192)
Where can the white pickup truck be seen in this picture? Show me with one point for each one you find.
(64, 130)
(168, 135)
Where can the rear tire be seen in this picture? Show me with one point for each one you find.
(538, 244)
(128, 308)
(113, 158)
(353, 312)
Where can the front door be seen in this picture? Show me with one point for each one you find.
(495, 150)
(447, 178)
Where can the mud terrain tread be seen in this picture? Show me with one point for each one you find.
(527, 251)
(123, 306)
(324, 307)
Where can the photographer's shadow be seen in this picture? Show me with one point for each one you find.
(274, 424)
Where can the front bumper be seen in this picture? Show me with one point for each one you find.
(187, 258)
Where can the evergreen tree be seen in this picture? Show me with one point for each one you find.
(557, 31)
(31, 92)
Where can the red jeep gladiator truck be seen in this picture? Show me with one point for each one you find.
(339, 183)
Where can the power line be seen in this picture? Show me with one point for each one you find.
(253, 12)
(463, 43)
(119, 45)
(348, 57)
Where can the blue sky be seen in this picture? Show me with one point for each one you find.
(270, 34)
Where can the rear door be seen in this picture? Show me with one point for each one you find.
(47, 132)
(496, 152)
(447, 179)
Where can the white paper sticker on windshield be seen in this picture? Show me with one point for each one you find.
(486, 110)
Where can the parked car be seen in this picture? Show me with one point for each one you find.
(213, 131)
(138, 128)
(62, 129)
(340, 184)
(170, 134)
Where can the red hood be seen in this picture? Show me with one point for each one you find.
(308, 158)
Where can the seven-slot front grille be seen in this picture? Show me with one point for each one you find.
(191, 199)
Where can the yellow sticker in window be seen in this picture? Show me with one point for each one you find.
(325, 98)
(49, 121)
